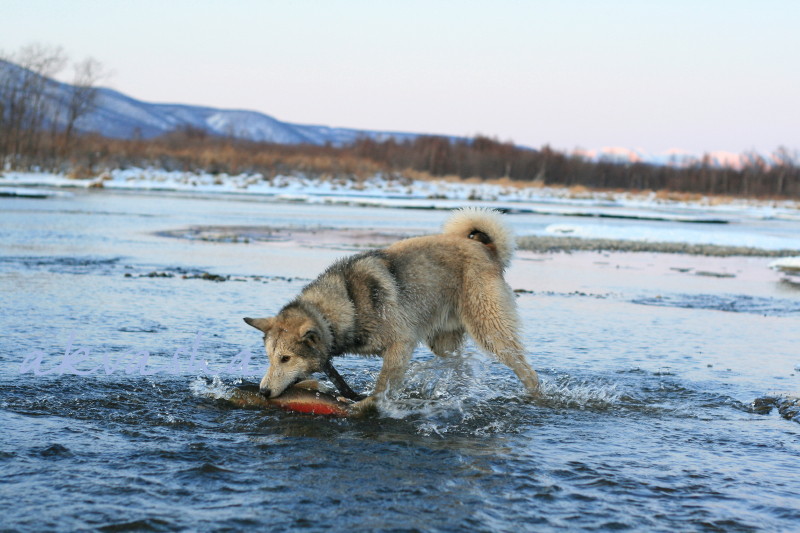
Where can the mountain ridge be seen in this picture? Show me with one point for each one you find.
(120, 116)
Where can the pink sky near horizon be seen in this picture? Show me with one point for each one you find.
(697, 76)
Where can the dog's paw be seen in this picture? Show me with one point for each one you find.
(366, 407)
(533, 395)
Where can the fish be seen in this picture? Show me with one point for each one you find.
(305, 397)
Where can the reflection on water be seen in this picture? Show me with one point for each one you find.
(645, 421)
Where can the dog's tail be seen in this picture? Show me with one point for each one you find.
(485, 226)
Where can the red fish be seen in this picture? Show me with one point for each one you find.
(301, 398)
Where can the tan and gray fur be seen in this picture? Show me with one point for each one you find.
(433, 289)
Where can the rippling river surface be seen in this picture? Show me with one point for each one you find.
(118, 349)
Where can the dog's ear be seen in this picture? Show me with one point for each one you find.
(311, 335)
(263, 324)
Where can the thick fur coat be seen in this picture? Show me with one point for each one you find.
(433, 289)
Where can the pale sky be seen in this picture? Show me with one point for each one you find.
(697, 75)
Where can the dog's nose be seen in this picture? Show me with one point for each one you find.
(265, 392)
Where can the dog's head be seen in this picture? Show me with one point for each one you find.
(295, 347)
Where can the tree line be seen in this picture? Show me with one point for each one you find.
(38, 130)
(190, 149)
(489, 159)
(37, 122)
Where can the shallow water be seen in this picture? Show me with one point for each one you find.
(649, 370)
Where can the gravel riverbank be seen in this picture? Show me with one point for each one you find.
(569, 244)
(319, 236)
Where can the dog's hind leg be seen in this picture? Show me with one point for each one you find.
(490, 316)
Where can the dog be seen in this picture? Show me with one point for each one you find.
(433, 289)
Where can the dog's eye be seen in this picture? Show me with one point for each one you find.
(285, 359)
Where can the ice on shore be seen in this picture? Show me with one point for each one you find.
(388, 187)
(787, 265)
(641, 216)
(28, 192)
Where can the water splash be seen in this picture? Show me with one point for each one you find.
(215, 389)
(569, 392)
(444, 395)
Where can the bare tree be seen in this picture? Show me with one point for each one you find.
(785, 163)
(10, 103)
(83, 97)
(24, 83)
(41, 63)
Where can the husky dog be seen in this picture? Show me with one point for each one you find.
(432, 289)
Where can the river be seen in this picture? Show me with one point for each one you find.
(120, 342)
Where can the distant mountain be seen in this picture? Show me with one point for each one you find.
(122, 117)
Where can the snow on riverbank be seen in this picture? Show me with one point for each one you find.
(572, 213)
(382, 190)
(789, 267)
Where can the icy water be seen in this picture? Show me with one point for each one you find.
(118, 348)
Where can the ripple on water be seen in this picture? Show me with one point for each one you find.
(457, 416)
(467, 396)
(62, 264)
(732, 303)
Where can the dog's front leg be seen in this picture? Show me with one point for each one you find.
(395, 363)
